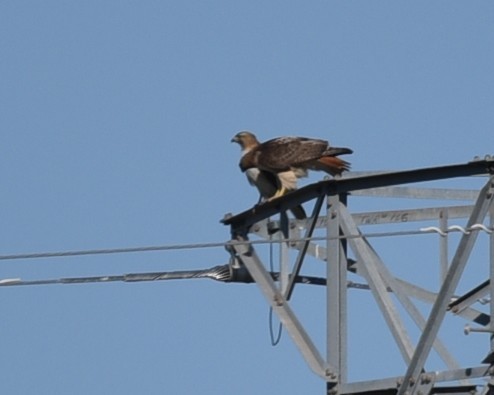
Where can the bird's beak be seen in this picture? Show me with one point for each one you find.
(234, 139)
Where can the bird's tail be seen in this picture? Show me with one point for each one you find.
(329, 162)
(331, 165)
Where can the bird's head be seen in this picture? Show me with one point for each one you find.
(246, 140)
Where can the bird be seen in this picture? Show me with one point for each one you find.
(274, 166)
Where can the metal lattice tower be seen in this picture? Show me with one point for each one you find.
(394, 296)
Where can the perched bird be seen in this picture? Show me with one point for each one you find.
(275, 165)
(267, 183)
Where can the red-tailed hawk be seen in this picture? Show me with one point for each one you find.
(275, 165)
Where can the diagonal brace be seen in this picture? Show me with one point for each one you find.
(399, 292)
(302, 252)
(281, 307)
(369, 268)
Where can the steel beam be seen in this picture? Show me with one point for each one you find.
(491, 275)
(439, 308)
(379, 217)
(464, 373)
(420, 193)
(469, 298)
(424, 295)
(345, 185)
(284, 252)
(303, 249)
(410, 215)
(336, 293)
(375, 386)
(371, 218)
(443, 245)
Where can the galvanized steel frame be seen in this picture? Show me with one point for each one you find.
(341, 228)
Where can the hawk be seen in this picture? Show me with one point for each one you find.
(275, 165)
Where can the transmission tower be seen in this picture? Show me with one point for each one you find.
(394, 296)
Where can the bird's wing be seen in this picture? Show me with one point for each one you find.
(284, 153)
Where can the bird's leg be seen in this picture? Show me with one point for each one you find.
(280, 192)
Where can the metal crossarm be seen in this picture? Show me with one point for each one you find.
(345, 185)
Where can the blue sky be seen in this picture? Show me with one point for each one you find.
(116, 119)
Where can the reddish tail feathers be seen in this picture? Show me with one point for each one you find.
(332, 165)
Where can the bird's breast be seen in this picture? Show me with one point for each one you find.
(252, 175)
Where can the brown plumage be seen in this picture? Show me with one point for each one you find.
(278, 163)
(296, 154)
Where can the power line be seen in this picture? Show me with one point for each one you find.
(219, 273)
(223, 273)
(106, 251)
(191, 246)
